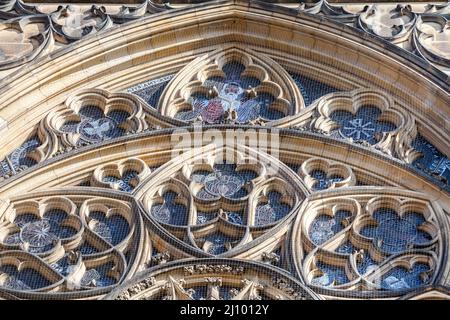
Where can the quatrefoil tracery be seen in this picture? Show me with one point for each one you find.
(365, 116)
(362, 115)
(79, 243)
(231, 86)
(383, 243)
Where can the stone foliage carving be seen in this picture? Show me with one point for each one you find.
(422, 25)
(219, 206)
(242, 286)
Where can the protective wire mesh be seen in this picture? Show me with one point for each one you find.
(347, 252)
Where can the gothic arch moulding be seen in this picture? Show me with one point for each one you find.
(118, 179)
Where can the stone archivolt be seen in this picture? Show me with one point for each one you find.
(100, 191)
(409, 26)
(322, 174)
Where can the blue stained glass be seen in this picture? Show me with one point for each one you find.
(325, 227)
(323, 181)
(91, 112)
(400, 278)
(203, 217)
(86, 249)
(69, 126)
(415, 218)
(422, 237)
(22, 219)
(118, 115)
(199, 175)
(366, 264)
(62, 266)
(125, 182)
(265, 100)
(113, 229)
(346, 247)
(332, 276)
(230, 167)
(12, 239)
(41, 234)
(393, 233)
(19, 159)
(95, 126)
(56, 215)
(151, 91)
(310, 89)
(223, 181)
(233, 70)
(231, 95)
(218, 242)
(362, 126)
(63, 232)
(235, 217)
(200, 293)
(273, 211)
(384, 214)
(98, 276)
(26, 279)
(432, 161)
(369, 231)
(170, 212)
(205, 195)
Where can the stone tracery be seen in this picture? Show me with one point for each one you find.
(381, 243)
(231, 86)
(133, 211)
